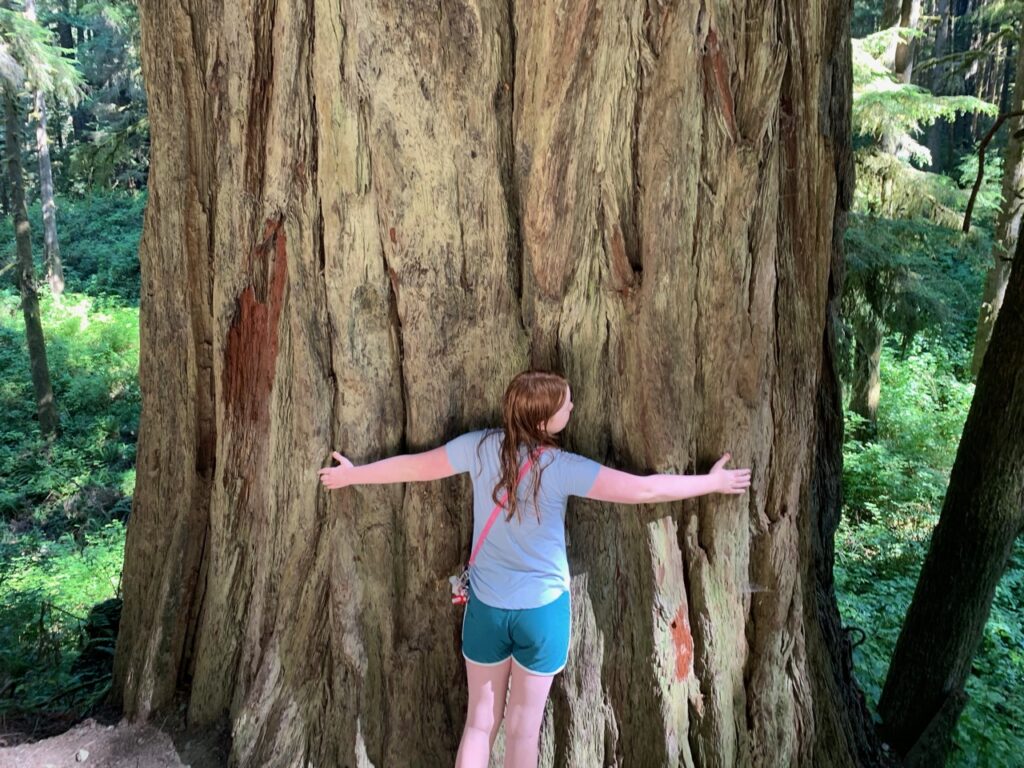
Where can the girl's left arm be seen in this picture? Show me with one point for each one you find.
(429, 465)
(622, 487)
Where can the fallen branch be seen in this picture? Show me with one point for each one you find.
(76, 688)
(50, 605)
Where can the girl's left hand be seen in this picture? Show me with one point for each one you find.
(336, 477)
(729, 480)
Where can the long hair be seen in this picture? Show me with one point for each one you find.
(531, 398)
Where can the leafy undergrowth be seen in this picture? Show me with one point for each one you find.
(46, 593)
(63, 503)
(99, 242)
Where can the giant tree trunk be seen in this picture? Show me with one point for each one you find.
(1008, 224)
(982, 515)
(363, 219)
(46, 407)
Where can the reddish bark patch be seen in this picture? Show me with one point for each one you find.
(251, 351)
(716, 76)
(683, 642)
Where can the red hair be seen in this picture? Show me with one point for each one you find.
(532, 397)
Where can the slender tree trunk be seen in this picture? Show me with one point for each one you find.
(903, 63)
(66, 36)
(868, 333)
(51, 246)
(982, 515)
(1008, 79)
(71, 37)
(900, 55)
(363, 219)
(996, 72)
(1007, 226)
(866, 387)
(5, 195)
(972, 36)
(45, 405)
(64, 33)
(938, 132)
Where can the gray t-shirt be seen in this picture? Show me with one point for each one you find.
(522, 563)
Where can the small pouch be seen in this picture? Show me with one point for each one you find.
(460, 587)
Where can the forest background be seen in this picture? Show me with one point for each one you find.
(931, 80)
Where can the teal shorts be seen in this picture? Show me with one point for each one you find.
(537, 639)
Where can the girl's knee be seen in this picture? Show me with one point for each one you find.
(481, 720)
(523, 722)
(480, 733)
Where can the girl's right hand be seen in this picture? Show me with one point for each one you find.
(729, 480)
(336, 477)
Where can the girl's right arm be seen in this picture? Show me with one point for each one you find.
(624, 488)
(430, 465)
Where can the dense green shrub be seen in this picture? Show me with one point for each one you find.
(99, 243)
(63, 501)
(46, 590)
(913, 276)
(92, 347)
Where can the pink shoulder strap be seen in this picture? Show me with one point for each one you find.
(501, 502)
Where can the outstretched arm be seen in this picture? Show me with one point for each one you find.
(430, 465)
(624, 488)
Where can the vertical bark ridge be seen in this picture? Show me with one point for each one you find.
(176, 461)
(240, 480)
(843, 733)
(505, 109)
(262, 63)
(410, 150)
(368, 408)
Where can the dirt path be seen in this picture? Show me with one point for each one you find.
(94, 745)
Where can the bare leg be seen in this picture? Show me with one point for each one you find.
(488, 686)
(526, 702)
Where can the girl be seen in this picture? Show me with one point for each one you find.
(517, 619)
